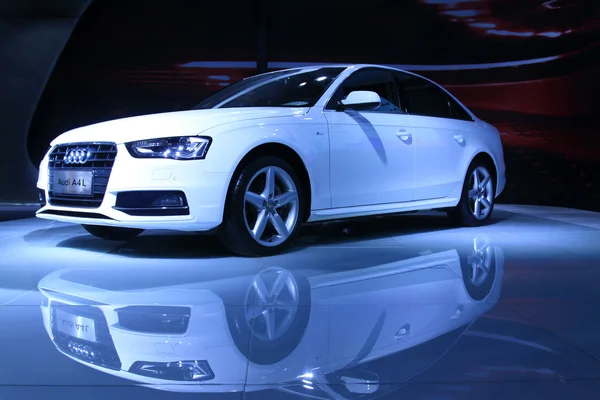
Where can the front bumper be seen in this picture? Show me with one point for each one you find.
(205, 194)
(206, 338)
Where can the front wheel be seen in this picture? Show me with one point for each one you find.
(274, 316)
(264, 208)
(112, 233)
(477, 199)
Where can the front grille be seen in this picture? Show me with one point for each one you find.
(101, 160)
(102, 157)
(102, 352)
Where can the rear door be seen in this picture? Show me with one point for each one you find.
(442, 131)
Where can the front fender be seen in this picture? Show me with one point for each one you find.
(231, 143)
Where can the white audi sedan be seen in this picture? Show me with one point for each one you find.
(264, 155)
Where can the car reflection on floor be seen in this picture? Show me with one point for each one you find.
(288, 329)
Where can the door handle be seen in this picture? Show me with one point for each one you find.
(459, 138)
(403, 135)
(402, 332)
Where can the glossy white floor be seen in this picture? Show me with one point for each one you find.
(402, 307)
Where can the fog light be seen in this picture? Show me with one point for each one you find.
(192, 371)
(168, 201)
(42, 197)
(157, 203)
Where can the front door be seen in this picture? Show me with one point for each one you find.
(371, 152)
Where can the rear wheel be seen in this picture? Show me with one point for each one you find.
(478, 264)
(112, 233)
(477, 199)
(264, 208)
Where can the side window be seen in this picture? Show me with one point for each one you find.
(424, 98)
(459, 111)
(375, 80)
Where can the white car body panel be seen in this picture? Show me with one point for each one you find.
(306, 134)
(439, 157)
(370, 164)
(352, 172)
(180, 123)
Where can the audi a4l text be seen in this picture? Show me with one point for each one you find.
(266, 154)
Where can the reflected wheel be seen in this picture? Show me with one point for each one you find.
(478, 265)
(271, 320)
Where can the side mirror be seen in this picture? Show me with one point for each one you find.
(361, 100)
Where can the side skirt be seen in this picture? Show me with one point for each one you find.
(381, 209)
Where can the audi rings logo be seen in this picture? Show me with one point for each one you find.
(77, 156)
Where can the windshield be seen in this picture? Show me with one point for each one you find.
(290, 88)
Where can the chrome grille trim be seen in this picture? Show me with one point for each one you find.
(100, 163)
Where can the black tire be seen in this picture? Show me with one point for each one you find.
(112, 233)
(233, 233)
(253, 348)
(462, 214)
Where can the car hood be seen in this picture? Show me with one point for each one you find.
(181, 123)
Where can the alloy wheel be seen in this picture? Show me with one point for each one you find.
(481, 193)
(271, 206)
(479, 262)
(271, 303)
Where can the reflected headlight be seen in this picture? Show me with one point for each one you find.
(174, 371)
(176, 148)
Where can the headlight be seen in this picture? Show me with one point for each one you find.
(177, 148)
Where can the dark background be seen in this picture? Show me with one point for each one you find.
(529, 67)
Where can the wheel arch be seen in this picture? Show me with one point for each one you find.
(486, 159)
(286, 153)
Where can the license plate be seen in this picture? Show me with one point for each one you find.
(76, 326)
(73, 182)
